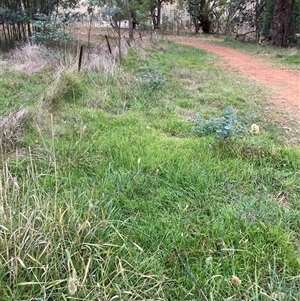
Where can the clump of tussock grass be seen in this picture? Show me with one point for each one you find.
(11, 129)
(67, 245)
(68, 88)
(102, 59)
(98, 62)
(28, 58)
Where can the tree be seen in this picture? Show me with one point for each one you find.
(115, 12)
(155, 11)
(295, 24)
(250, 12)
(18, 16)
(281, 21)
(270, 5)
(154, 7)
(203, 12)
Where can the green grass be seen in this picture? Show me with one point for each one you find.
(293, 59)
(100, 193)
(287, 57)
(18, 89)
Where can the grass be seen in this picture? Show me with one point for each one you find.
(287, 57)
(109, 178)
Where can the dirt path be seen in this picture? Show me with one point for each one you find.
(286, 84)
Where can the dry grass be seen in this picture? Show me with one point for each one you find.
(2, 65)
(100, 58)
(11, 129)
(28, 58)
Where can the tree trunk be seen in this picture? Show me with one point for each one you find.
(280, 25)
(156, 14)
(159, 4)
(130, 26)
(197, 26)
(206, 24)
(204, 16)
(154, 19)
(119, 42)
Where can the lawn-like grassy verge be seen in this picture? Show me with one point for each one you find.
(109, 179)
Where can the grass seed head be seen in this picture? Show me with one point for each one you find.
(236, 281)
(72, 285)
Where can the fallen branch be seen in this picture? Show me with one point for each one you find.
(242, 37)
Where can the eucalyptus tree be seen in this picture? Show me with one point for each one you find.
(281, 22)
(204, 12)
(115, 12)
(154, 8)
(20, 19)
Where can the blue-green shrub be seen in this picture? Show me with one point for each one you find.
(225, 127)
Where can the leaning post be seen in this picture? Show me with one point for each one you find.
(80, 57)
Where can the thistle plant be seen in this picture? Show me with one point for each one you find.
(226, 127)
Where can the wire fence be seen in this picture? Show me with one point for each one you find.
(93, 57)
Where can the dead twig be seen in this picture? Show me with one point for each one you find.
(188, 271)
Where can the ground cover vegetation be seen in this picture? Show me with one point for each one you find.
(113, 174)
(285, 57)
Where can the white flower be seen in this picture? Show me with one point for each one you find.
(254, 128)
(208, 260)
(72, 285)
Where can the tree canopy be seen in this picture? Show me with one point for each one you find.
(277, 20)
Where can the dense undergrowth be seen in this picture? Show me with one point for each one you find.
(108, 181)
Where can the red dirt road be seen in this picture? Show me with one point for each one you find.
(286, 84)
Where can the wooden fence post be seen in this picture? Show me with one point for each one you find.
(128, 43)
(80, 57)
(108, 45)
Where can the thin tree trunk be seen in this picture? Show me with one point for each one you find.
(119, 41)
(130, 26)
(89, 34)
(29, 30)
(159, 4)
(4, 33)
(154, 19)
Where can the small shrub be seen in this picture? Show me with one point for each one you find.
(225, 127)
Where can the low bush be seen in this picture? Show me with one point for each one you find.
(226, 127)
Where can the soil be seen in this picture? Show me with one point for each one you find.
(284, 83)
